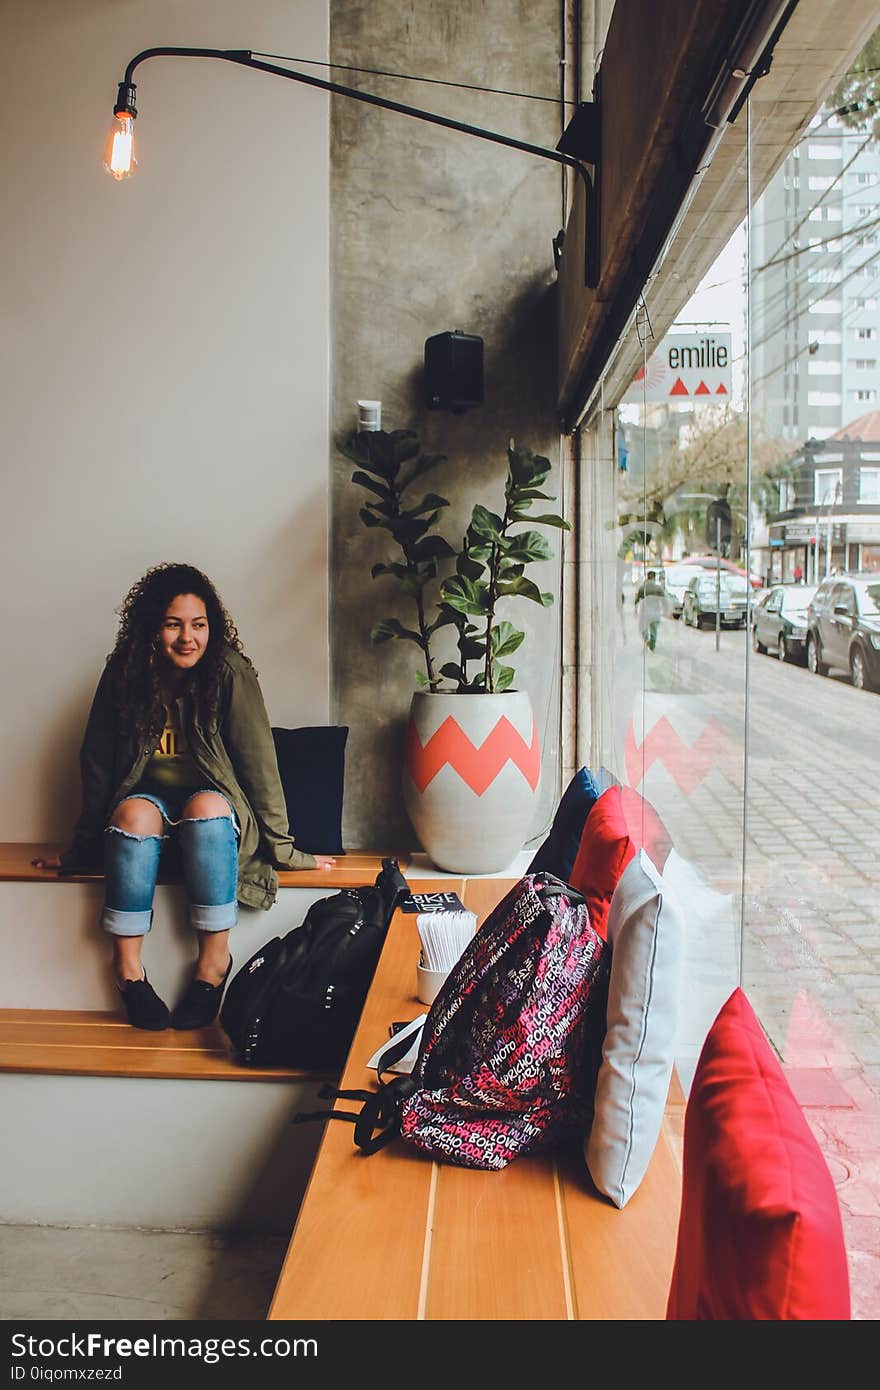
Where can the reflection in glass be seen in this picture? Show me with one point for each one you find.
(812, 923)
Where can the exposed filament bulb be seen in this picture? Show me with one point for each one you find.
(119, 152)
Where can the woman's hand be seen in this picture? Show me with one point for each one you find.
(53, 862)
(324, 861)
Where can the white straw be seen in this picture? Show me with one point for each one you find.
(444, 936)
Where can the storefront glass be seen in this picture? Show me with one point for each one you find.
(811, 907)
(747, 670)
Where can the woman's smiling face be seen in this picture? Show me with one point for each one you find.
(183, 636)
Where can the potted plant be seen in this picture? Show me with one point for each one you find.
(472, 757)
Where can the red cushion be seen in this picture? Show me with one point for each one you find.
(605, 849)
(760, 1235)
(646, 829)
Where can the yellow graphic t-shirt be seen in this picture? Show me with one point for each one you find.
(171, 764)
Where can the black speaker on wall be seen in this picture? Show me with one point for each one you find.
(453, 371)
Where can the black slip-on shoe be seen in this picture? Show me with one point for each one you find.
(200, 1004)
(144, 1007)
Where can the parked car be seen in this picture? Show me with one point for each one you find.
(843, 628)
(711, 562)
(701, 599)
(779, 621)
(676, 578)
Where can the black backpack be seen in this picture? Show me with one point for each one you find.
(297, 1001)
(510, 1049)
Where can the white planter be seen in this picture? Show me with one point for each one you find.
(472, 767)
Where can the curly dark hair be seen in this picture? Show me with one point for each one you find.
(133, 660)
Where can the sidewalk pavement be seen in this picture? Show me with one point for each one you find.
(797, 924)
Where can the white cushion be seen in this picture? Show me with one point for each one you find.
(645, 932)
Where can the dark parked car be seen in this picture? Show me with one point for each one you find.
(844, 628)
(779, 622)
(701, 600)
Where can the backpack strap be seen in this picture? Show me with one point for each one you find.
(380, 1110)
(548, 886)
(392, 885)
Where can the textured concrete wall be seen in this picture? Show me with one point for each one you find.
(434, 230)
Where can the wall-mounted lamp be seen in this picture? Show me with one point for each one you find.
(120, 159)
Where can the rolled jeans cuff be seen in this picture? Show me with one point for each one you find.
(120, 923)
(213, 917)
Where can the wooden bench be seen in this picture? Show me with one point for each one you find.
(71, 1042)
(397, 1236)
(81, 1071)
(98, 1043)
(350, 870)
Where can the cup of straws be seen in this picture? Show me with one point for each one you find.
(444, 936)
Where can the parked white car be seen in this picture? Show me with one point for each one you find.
(677, 578)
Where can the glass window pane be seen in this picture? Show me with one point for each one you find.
(811, 892)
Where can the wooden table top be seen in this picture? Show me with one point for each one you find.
(398, 1236)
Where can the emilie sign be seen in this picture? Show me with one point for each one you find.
(686, 366)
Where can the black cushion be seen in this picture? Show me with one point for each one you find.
(559, 851)
(312, 767)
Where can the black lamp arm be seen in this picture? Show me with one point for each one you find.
(244, 58)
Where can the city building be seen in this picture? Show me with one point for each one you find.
(829, 512)
(816, 284)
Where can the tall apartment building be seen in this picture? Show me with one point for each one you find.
(816, 285)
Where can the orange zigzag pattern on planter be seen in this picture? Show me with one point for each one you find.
(478, 767)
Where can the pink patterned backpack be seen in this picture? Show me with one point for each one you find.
(511, 1046)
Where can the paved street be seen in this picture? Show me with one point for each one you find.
(810, 948)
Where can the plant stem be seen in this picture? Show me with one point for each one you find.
(494, 566)
(412, 566)
(429, 665)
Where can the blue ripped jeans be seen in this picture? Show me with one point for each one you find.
(208, 851)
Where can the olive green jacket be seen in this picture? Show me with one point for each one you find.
(235, 753)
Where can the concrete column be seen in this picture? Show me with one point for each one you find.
(432, 231)
(598, 593)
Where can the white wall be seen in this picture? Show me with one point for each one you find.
(164, 371)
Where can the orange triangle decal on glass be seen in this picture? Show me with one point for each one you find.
(679, 388)
(702, 390)
(721, 390)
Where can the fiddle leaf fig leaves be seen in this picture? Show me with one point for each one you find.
(550, 519)
(485, 525)
(429, 503)
(487, 569)
(387, 628)
(387, 466)
(433, 548)
(527, 546)
(505, 639)
(422, 465)
(503, 676)
(364, 480)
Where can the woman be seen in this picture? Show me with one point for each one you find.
(178, 754)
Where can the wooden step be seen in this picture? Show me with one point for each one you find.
(61, 1042)
(351, 870)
